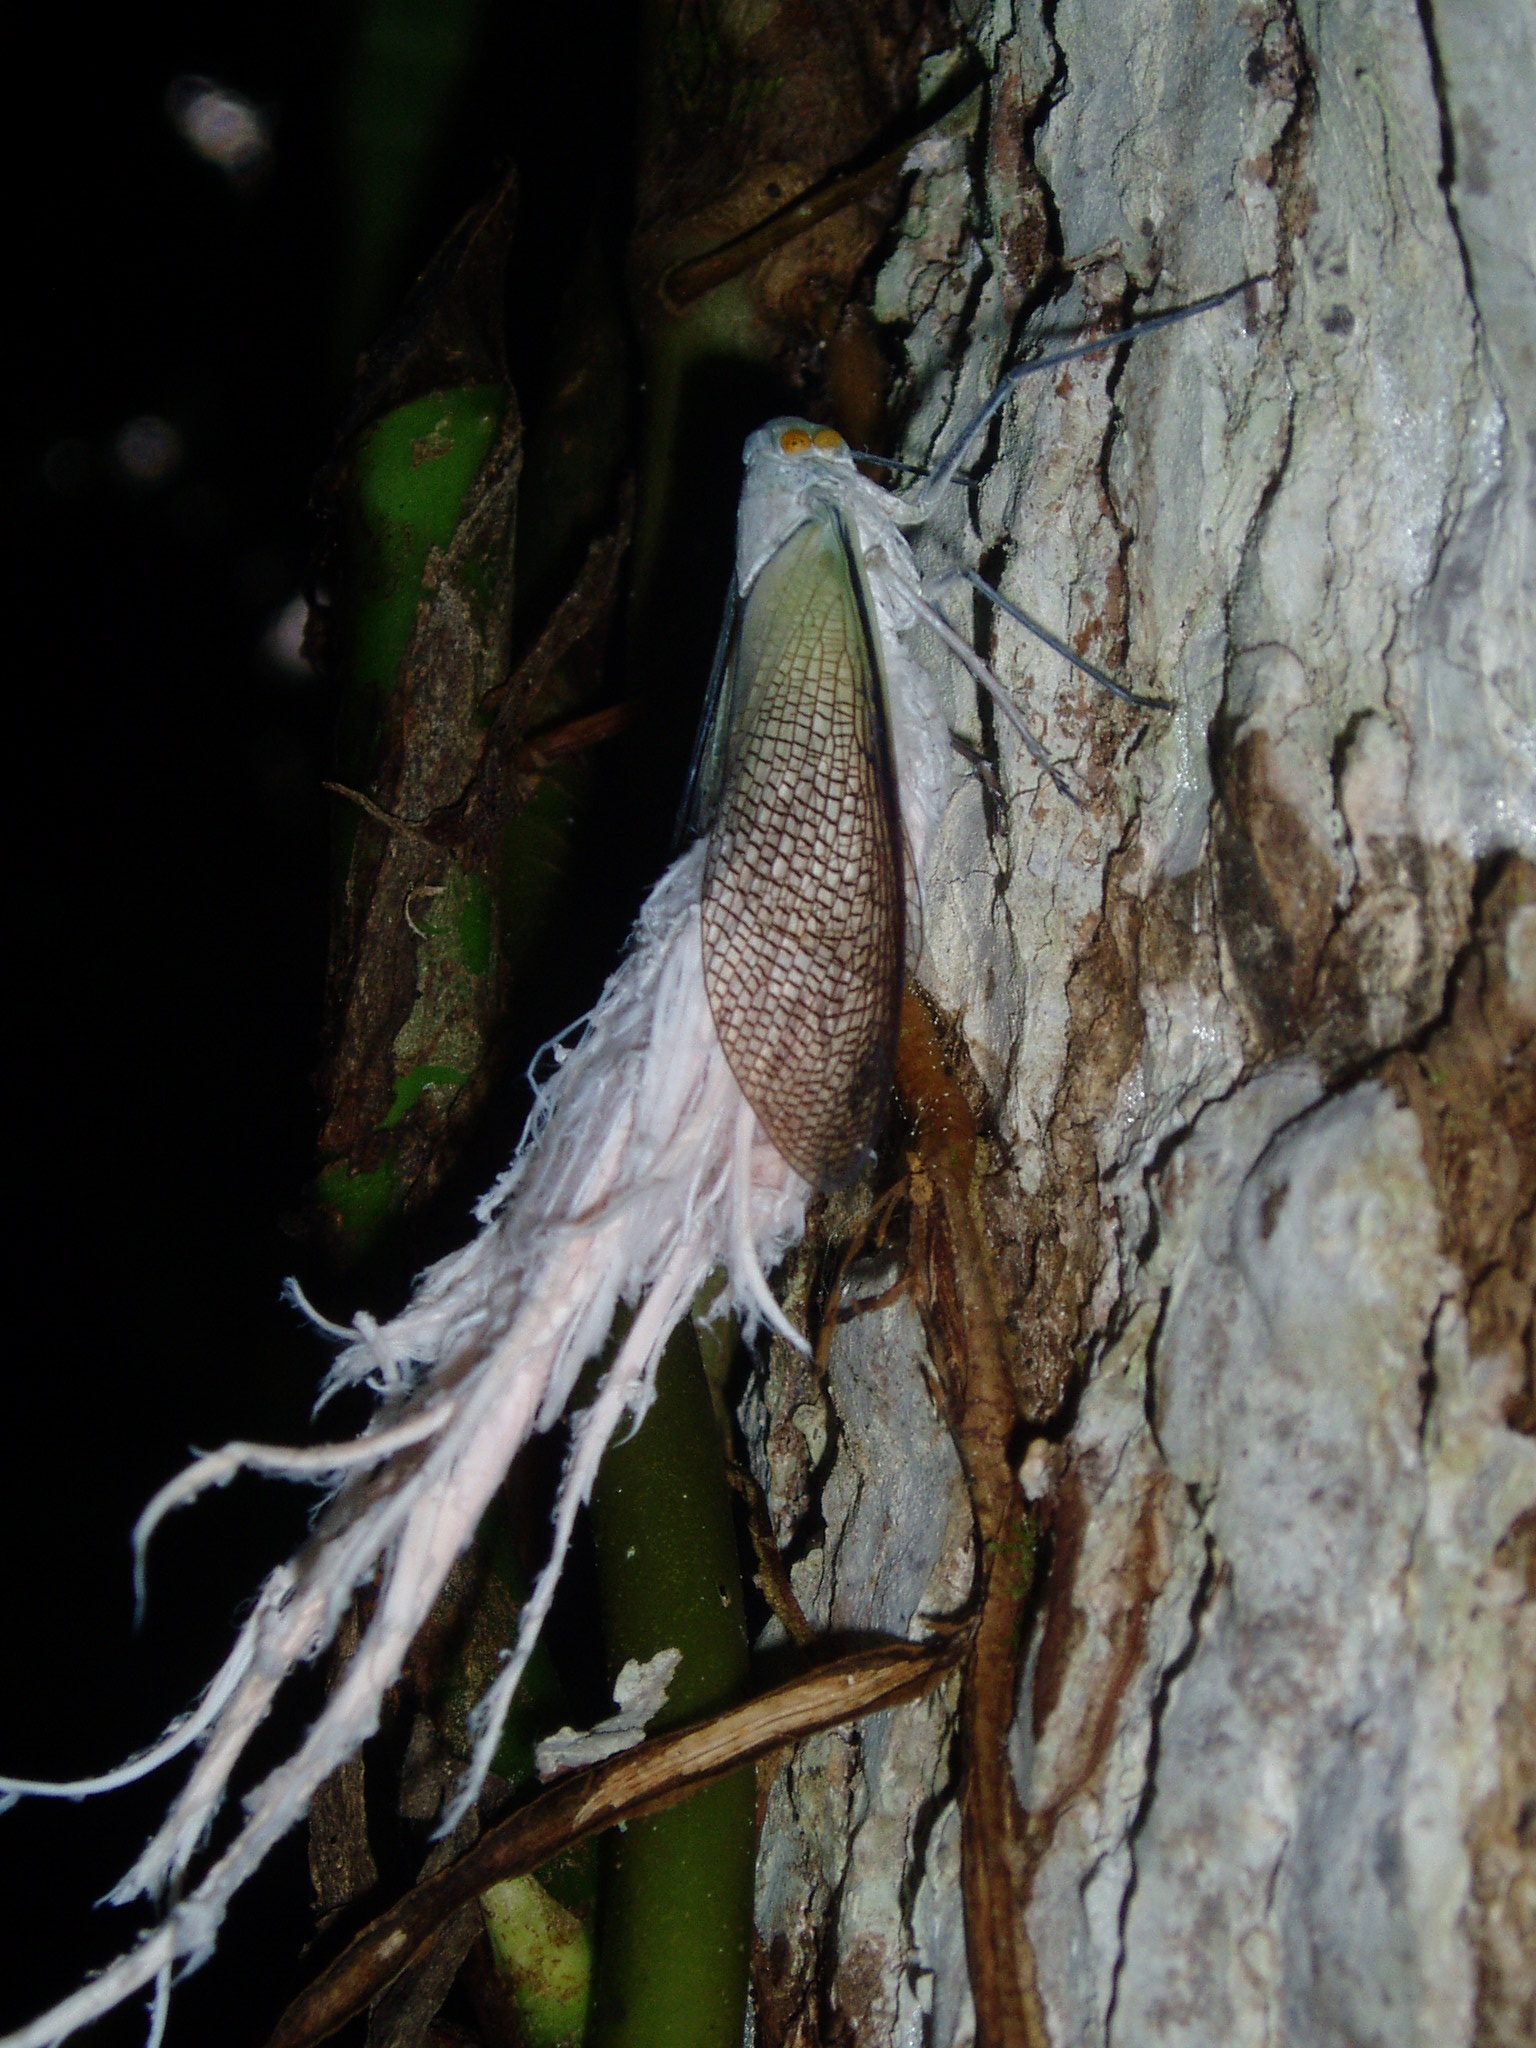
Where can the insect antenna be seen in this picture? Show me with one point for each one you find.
(889, 462)
(917, 469)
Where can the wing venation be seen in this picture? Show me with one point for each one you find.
(803, 900)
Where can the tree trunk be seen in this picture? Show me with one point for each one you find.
(1255, 1025)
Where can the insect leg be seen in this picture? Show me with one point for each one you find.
(969, 659)
(922, 501)
(917, 469)
(1057, 646)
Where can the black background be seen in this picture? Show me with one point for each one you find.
(167, 872)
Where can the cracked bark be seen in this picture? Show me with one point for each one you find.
(1256, 1030)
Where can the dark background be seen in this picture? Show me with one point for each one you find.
(168, 868)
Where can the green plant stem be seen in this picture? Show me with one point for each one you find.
(407, 63)
(417, 968)
(538, 1926)
(676, 1918)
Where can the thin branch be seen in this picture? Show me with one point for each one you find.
(643, 1781)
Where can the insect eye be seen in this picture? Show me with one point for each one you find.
(794, 441)
(828, 438)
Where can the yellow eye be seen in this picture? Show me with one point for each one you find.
(794, 441)
(828, 438)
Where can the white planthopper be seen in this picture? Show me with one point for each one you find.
(821, 768)
(739, 1058)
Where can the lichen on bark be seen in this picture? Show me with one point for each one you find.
(1250, 1026)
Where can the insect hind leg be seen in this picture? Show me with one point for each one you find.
(1057, 645)
(969, 659)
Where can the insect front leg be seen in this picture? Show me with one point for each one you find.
(922, 501)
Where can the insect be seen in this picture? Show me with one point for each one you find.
(823, 765)
(811, 880)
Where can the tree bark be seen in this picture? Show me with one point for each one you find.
(1256, 1030)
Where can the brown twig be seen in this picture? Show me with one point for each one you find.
(688, 281)
(957, 1297)
(574, 737)
(507, 750)
(405, 828)
(646, 1780)
(773, 1580)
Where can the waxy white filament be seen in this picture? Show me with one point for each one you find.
(644, 1170)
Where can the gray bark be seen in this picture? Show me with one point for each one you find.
(1276, 1734)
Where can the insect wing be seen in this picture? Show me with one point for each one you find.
(803, 899)
(706, 770)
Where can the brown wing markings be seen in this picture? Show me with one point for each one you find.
(803, 899)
